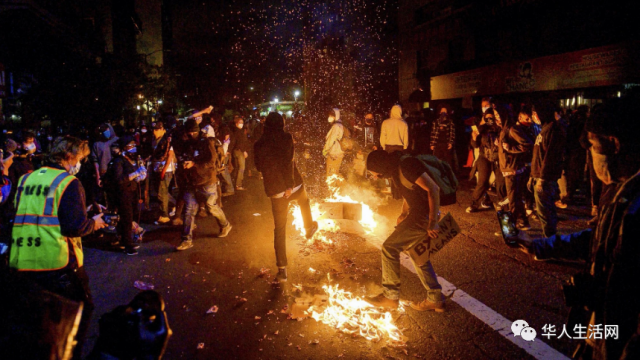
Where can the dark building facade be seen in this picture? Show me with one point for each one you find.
(461, 50)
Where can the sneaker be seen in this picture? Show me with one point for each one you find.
(594, 210)
(504, 202)
(383, 302)
(427, 305)
(561, 205)
(240, 188)
(202, 212)
(131, 251)
(184, 245)
(225, 231)
(173, 212)
(134, 246)
(228, 194)
(471, 209)
(177, 222)
(163, 219)
(523, 225)
(281, 276)
(309, 234)
(486, 206)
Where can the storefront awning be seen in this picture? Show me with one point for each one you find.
(604, 66)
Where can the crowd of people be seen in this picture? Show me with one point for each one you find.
(59, 188)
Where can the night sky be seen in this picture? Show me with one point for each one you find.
(224, 48)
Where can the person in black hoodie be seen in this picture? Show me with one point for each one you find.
(282, 183)
(122, 185)
(517, 144)
(546, 169)
(487, 162)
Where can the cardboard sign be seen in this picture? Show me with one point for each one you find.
(422, 251)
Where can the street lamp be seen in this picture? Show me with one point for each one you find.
(295, 95)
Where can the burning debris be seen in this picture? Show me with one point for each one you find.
(352, 315)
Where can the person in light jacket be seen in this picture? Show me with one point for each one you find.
(332, 150)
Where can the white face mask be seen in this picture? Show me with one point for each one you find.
(240, 126)
(144, 131)
(75, 169)
(30, 147)
(484, 109)
(601, 167)
(331, 119)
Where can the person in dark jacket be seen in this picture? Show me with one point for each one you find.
(546, 169)
(123, 193)
(71, 280)
(283, 184)
(239, 147)
(517, 144)
(197, 179)
(576, 154)
(486, 140)
(608, 288)
(443, 136)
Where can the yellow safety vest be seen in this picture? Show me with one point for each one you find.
(37, 241)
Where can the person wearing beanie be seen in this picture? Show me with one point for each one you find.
(197, 179)
(418, 219)
(282, 184)
(608, 283)
(332, 150)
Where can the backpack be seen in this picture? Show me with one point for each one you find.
(346, 142)
(441, 173)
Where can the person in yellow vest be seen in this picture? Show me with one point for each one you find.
(50, 220)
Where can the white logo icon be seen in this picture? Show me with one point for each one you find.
(521, 328)
(528, 334)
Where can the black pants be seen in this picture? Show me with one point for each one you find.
(575, 171)
(72, 284)
(127, 205)
(516, 186)
(280, 208)
(484, 168)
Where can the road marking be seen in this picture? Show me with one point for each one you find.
(538, 349)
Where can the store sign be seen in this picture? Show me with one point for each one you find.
(609, 65)
(3, 82)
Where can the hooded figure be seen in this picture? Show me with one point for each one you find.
(394, 133)
(332, 150)
(282, 184)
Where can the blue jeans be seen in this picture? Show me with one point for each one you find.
(407, 234)
(228, 187)
(208, 195)
(545, 195)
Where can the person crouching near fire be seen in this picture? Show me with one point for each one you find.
(419, 218)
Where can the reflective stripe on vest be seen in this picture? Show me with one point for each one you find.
(37, 241)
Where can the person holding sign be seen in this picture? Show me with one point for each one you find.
(418, 220)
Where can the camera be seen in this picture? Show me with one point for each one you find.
(111, 219)
(580, 290)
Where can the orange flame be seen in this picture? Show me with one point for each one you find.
(352, 315)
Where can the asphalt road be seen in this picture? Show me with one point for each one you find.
(223, 272)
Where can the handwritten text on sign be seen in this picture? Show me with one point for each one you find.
(422, 251)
